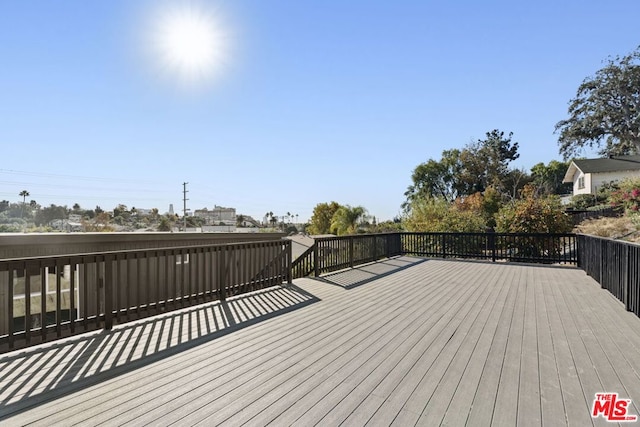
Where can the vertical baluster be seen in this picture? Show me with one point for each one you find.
(27, 303)
(44, 279)
(10, 315)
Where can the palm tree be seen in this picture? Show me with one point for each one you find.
(24, 194)
(347, 218)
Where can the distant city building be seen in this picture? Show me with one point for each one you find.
(217, 216)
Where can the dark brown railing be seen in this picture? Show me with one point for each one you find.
(577, 216)
(304, 265)
(335, 253)
(47, 298)
(615, 265)
(515, 247)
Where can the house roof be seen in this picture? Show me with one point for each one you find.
(609, 164)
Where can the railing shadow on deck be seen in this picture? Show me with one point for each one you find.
(357, 276)
(33, 376)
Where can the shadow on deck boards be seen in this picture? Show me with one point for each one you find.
(360, 275)
(36, 375)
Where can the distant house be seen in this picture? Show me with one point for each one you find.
(588, 175)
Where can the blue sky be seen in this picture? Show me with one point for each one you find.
(314, 101)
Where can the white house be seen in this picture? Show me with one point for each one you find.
(588, 175)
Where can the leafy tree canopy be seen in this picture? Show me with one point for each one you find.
(548, 178)
(480, 165)
(605, 111)
(347, 219)
(321, 219)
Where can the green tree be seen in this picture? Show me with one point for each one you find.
(606, 110)
(239, 220)
(480, 165)
(433, 178)
(321, 219)
(548, 178)
(485, 163)
(346, 219)
(121, 211)
(47, 214)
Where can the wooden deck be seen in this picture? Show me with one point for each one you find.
(399, 342)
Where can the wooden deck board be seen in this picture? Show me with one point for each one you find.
(551, 402)
(486, 390)
(451, 342)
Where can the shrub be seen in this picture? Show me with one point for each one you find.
(532, 214)
(627, 196)
(437, 215)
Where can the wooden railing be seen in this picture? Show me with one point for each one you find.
(335, 253)
(577, 216)
(615, 265)
(304, 265)
(515, 247)
(47, 298)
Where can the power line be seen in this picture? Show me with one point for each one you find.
(75, 177)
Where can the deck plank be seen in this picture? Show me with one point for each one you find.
(486, 390)
(551, 402)
(506, 404)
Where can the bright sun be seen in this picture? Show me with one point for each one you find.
(189, 43)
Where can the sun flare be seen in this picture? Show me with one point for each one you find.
(189, 43)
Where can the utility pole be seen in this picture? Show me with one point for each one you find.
(184, 200)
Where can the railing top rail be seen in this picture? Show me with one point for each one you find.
(141, 251)
(483, 233)
(350, 236)
(609, 239)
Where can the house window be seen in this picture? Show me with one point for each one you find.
(581, 182)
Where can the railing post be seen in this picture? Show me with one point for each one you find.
(289, 251)
(316, 260)
(222, 273)
(108, 292)
(387, 244)
(627, 284)
(443, 243)
(492, 244)
(351, 251)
